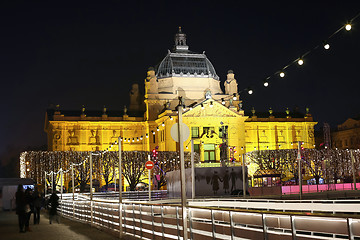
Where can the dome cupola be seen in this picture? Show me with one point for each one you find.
(184, 63)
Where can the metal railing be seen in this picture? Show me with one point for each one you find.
(323, 206)
(129, 195)
(159, 221)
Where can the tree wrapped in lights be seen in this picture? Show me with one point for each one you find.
(52, 161)
(133, 166)
(271, 160)
(326, 163)
(82, 170)
(313, 160)
(107, 165)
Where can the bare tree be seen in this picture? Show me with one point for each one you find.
(133, 167)
(107, 166)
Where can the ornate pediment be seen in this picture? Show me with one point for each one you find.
(210, 108)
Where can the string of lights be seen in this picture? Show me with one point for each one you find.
(325, 44)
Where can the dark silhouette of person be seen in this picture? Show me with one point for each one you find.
(226, 180)
(29, 208)
(215, 182)
(233, 180)
(20, 207)
(54, 203)
(37, 198)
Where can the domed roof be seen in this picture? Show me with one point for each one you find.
(187, 65)
(184, 63)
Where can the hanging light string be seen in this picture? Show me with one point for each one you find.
(136, 138)
(300, 60)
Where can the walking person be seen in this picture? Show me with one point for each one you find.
(29, 208)
(54, 203)
(20, 207)
(37, 198)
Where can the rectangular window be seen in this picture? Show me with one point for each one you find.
(154, 138)
(194, 132)
(223, 131)
(208, 131)
(209, 153)
(197, 148)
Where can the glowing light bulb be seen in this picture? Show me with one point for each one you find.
(222, 101)
(300, 62)
(202, 106)
(282, 74)
(147, 135)
(171, 118)
(157, 129)
(250, 91)
(266, 84)
(163, 124)
(348, 27)
(211, 104)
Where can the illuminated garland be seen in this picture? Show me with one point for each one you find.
(325, 163)
(300, 60)
(55, 162)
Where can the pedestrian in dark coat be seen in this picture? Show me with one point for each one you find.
(20, 207)
(37, 198)
(29, 208)
(54, 203)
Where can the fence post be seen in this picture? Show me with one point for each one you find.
(134, 223)
(190, 223)
(73, 190)
(350, 231)
(120, 188)
(293, 228)
(141, 235)
(213, 224)
(61, 190)
(353, 169)
(152, 221)
(231, 225)
(264, 226)
(124, 215)
(162, 222)
(91, 193)
(177, 222)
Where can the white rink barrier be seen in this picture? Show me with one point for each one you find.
(162, 221)
(323, 206)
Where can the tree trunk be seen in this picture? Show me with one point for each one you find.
(317, 180)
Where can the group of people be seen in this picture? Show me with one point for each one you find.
(28, 202)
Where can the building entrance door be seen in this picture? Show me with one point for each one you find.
(209, 153)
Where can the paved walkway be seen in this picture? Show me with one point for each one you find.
(69, 230)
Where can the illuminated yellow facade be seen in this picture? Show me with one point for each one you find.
(213, 116)
(71, 133)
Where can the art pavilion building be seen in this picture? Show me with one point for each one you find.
(213, 116)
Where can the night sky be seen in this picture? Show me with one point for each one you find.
(82, 53)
